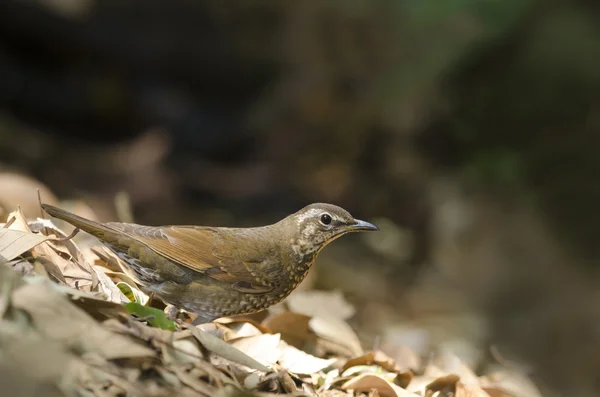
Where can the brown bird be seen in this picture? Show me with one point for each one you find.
(221, 271)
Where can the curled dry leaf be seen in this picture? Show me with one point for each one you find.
(338, 331)
(368, 382)
(325, 304)
(443, 384)
(293, 327)
(133, 294)
(448, 363)
(379, 358)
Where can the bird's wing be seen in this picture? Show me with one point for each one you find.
(196, 248)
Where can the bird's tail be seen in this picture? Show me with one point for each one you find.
(94, 228)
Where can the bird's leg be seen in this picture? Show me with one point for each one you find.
(202, 320)
(171, 312)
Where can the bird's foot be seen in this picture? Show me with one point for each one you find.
(201, 320)
(171, 312)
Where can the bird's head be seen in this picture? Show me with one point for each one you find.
(318, 224)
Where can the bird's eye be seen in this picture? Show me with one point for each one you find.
(326, 219)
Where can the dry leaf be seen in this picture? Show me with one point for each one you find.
(448, 363)
(181, 351)
(509, 383)
(368, 382)
(14, 242)
(293, 327)
(381, 359)
(60, 320)
(320, 303)
(240, 329)
(338, 331)
(463, 390)
(299, 362)
(263, 348)
(225, 350)
(443, 384)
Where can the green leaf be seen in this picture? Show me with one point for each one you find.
(156, 318)
(133, 294)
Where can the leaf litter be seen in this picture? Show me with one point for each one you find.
(73, 323)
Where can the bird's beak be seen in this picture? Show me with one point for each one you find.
(362, 225)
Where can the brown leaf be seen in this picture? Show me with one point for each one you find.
(442, 384)
(338, 331)
(381, 359)
(293, 327)
(368, 382)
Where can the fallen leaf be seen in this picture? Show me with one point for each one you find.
(443, 384)
(225, 350)
(292, 326)
(315, 303)
(338, 331)
(368, 382)
(381, 359)
(299, 362)
(57, 318)
(110, 259)
(448, 363)
(153, 316)
(263, 348)
(240, 329)
(463, 390)
(181, 352)
(14, 242)
(509, 383)
(234, 322)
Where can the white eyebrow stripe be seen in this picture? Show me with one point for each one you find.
(308, 214)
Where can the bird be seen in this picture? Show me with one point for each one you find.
(217, 272)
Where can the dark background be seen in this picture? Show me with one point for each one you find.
(468, 129)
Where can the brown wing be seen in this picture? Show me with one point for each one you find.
(196, 248)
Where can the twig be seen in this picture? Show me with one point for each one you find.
(41, 209)
(69, 237)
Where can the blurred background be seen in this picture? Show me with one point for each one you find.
(468, 130)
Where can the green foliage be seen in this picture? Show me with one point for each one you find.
(155, 317)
